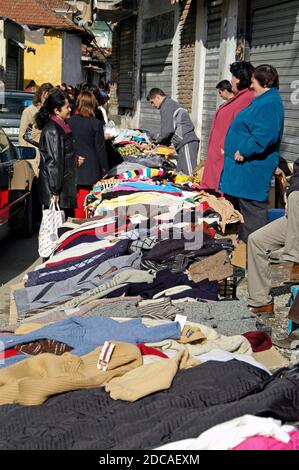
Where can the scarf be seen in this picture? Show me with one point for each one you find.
(61, 123)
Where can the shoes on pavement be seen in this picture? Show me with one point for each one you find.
(264, 311)
(295, 272)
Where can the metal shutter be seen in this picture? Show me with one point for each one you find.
(11, 76)
(275, 41)
(156, 72)
(211, 70)
(126, 64)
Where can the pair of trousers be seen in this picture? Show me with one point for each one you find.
(281, 233)
(82, 192)
(255, 215)
(187, 157)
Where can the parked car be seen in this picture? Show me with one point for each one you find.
(12, 104)
(18, 189)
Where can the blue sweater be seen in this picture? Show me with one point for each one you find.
(86, 334)
(256, 132)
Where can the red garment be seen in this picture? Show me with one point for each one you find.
(3, 197)
(64, 125)
(222, 120)
(203, 206)
(8, 353)
(148, 351)
(259, 340)
(82, 192)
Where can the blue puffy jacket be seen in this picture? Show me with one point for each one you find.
(256, 132)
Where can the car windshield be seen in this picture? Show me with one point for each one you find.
(14, 103)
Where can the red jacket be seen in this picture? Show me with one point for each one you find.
(222, 120)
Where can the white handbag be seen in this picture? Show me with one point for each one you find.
(52, 219)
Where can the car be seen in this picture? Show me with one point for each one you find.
(18, 188)
(12, 104)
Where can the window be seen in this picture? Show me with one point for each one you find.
(13, 103)
(6, 153)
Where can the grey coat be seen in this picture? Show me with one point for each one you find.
(176, 125)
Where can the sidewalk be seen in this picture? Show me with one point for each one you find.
(279, 324)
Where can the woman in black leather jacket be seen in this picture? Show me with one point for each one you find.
(57, 176)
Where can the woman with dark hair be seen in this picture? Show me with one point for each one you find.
(89, 141)
(252, 150)
(70, 93)
(57, 177)
(102, 99)
(226, 113)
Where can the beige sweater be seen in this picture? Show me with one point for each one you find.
(28, 117)
(149, 378)
(33, 380)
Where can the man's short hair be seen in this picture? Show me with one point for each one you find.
(224, 85)
(155, 92)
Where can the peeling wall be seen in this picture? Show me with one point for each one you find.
(46, 64)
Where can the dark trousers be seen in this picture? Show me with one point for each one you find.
(255, 215)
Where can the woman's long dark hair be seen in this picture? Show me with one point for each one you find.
(56, 99)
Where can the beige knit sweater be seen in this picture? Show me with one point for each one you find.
(33, 380)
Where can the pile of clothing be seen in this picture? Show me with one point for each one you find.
(132, 142)
(146, 187)
(127, 309)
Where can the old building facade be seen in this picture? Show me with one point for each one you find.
(186, 47)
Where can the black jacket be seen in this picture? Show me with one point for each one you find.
(294, 185)
(89, 142)
(57, 166)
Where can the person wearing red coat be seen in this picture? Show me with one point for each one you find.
(226, 113)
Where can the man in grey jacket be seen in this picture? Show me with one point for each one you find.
(177, 129)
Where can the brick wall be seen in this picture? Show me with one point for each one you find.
(187, 53)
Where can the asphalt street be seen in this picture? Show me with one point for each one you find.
(17, 257)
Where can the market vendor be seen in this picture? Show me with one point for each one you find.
(177, 129)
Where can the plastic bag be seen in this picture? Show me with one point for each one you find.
(52, 219)
(110, 130)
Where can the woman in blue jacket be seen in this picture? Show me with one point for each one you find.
(252, 150)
